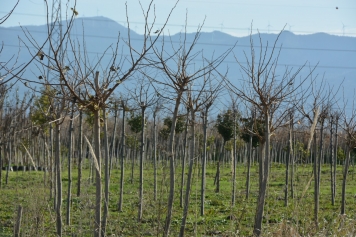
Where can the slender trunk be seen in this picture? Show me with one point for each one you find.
(0, 167)
(53, 167)
(154, 156)
(107, 175)
(316, 194)
(261, 192)
(58, 180)
(133, 157)
(344, 176)
(331, 148)
(292, 158)
(123, 147)
(80, 153)
(183, 161)
(249, 159)
(190, 172)
(335, 155)
(204, 158)
(264, 172)
(17, 228)
(97, 224)
(171, 157)
(142, 152)
(317, 165)
(287, 177)
(288, 159)
(112, 144)
(8, 163)
(69, 191)
(217, 176)
(233, 195)
(45, 161)
(321, 155)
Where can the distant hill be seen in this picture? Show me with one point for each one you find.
(335, 55)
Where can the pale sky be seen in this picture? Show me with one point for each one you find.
(229, 16)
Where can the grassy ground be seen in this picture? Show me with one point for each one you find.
(220, 219)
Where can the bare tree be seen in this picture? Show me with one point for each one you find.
(209, 99)
(57, 113)
(179, 71)
(145, 97)
(321, 101)
(349, 127)
(198, 96)
(270, 93)
(74, 70)
(122, 155)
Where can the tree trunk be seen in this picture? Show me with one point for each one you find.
(316, 193)
(80, 153)
(45, 160)
(122, 168)
(133, 157)
(204, 159)
(171, 157)
(292, 160)
(0, 167)
(154, 156)
(287, 177)
(53, 167)
(321, 155)
(190, 172)
(233, 195)
(97, 224)
(142, 152)
(317, 165)
(58, 180)
(335, 156)
(107, 175)
(344, 176)
(183, 161)
(8, 162)
(288, 159)
(113, 138)
(264, 172)
(217, 176)
(69, 192)
(249, 159)
(17, 228)
(331, 148)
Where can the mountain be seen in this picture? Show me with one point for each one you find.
(334, 55)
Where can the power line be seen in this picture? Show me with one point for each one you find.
(104, 19)
(204, 43)
(261, 4)
(225, 61)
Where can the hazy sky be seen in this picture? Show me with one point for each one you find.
(230, 16)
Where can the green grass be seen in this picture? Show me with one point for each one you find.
(28, 189)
